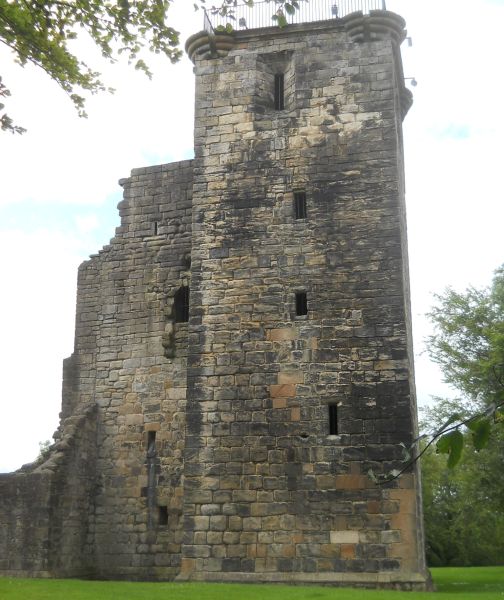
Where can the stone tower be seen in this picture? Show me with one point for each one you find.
(243, 345)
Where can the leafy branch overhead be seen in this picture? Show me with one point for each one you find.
(43, 32)
(468, 345)
(227, 9)
(6, 123)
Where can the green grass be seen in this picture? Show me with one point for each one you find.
(477, 583)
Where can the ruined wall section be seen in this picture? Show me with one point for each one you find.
(106, 500)
(139, 391)
(269, 494)
(45, 507)
(24, 524)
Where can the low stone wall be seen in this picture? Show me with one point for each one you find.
(45, 506)
(24, 523)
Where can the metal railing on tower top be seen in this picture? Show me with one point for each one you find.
(260, 14)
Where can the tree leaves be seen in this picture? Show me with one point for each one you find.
(6, 123)
(464, 521)
(280, 18)
(289, 8)
(39, 32)
(468, 341)
(451, 440)
(481, 428)
(468, 344)
(452, 444)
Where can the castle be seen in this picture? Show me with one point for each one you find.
(243, 346)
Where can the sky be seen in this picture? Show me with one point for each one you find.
(59, 190)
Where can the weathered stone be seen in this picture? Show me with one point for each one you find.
(200, 444)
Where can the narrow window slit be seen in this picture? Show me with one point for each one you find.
(156, 227)
(279, 92)
(301, 304)
(300, 205)
(151, 443)
(162, 515)
(181, 305)
(333, 419)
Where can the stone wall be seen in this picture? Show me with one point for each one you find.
(92, 507)
(270, 495)
(45, 507)
(233, 442)
(140, 393)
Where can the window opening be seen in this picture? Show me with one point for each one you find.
(279, 92)
(181, 305)
(333, 419)
(301, 304)
(156, 226)
(300, 205)
(151, 443)
(163, 515)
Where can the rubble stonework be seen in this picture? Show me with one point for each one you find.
(202, 450)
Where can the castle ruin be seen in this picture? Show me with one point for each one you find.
(243, 346)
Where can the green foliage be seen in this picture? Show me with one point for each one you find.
(6, 123)
(468, 342)
(452, 444)
(43, 33)
(44, 449)
(468, 345)
(463, 507)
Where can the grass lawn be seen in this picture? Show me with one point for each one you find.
(477, 583)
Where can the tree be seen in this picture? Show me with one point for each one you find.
(42, 32)
(468, 345)
(464, 507)
(468, 342)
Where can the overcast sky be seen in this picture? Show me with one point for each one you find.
(58, 190)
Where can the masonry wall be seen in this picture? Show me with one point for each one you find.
(269, 494)
(45, 507)
(91, 507)
(201, 448)
(139, 392)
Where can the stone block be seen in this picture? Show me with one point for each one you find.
(280, 391)
(344, 537)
